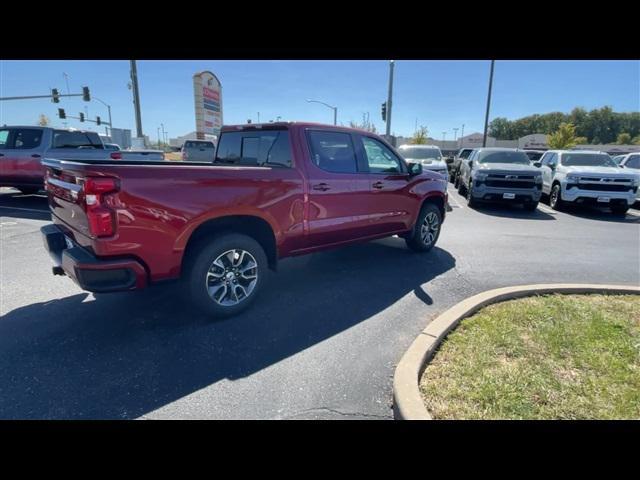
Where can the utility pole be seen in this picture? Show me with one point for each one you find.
(455, 134)
(486, 117)
(258, 117)
(444, 135)
(158, 137)
(163, 135)
(66, 78)
(389, 96)
(461, 135)
(136, 98)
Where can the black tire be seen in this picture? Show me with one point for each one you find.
(555, 198)
(530, 206)
(619, 209)
(471, 202)
(461, 188)
(29, 190)
(417, 241)
(200, 261)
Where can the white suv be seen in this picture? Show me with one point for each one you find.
(586, 177)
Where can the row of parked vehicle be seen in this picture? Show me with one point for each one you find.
(563, 177)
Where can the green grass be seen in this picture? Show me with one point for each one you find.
(548, 357)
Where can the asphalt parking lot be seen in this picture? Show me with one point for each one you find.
(321, 342)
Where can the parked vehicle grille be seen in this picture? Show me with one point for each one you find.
(604, 187)
(508, 184)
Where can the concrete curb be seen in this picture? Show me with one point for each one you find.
(407, 401)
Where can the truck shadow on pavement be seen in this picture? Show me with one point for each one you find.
(16, 205)
(512, 211)
(124, 355)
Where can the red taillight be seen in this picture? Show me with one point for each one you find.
(116, 155)
(101, 218)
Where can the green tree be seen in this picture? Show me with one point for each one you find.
(623, 139)
(636, 140)
(500, 128)
(581, 141)
(564, 138)
(420, 136)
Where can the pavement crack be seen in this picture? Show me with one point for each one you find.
(338, 412)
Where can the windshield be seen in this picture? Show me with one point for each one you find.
(505, 157)
(587, 160)
(421, 153)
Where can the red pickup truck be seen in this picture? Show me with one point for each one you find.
(272, 191)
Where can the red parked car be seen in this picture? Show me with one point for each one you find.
(272, 191)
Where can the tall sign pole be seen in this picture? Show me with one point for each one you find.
(486, 117)
(389, 98)
(136, 98)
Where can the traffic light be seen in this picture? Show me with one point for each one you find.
(81, 117)
(85, 94)
(97, 120)
(384, 112)
(61, 113)
(55, 96)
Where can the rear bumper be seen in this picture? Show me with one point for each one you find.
(88, 271)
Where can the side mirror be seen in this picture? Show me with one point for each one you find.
(415, 169)
(449, 159)
(537, 164)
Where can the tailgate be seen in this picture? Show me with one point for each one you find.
(66, 196)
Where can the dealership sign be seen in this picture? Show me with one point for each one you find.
(207, 92)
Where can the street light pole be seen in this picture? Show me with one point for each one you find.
(486, 117)
(136, 98)
(461, 135)
(444, 135)
(108, 109)
(455, 134)
(389, 99)
(335, 109)
(163, 136)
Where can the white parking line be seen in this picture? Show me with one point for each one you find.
(546, 209)
(453, 199)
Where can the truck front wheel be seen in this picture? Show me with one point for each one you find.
(555, 199)
(619, 209)
(224, 275)
(427, 229)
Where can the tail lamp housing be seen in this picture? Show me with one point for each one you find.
(101, 218)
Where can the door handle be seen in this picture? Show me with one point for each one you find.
(35, 155)
(321, 186)
(378, 185)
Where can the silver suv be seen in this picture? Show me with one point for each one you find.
(429, 156)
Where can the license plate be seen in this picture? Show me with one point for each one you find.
(68, 241)
(509, 196)
(604, 199)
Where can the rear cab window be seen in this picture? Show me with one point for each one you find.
(266, 148)
(205, 145)
(332, 151)
(66, 139)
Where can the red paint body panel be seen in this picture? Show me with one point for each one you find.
(159, 206)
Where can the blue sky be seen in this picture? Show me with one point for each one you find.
(442, 95)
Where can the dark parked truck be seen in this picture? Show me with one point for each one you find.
(272, 191)
(500, 175)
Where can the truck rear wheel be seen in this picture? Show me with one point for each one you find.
(224, 276)
(426, 230)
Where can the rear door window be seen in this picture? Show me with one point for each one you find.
(333, 151)
(27, 138)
